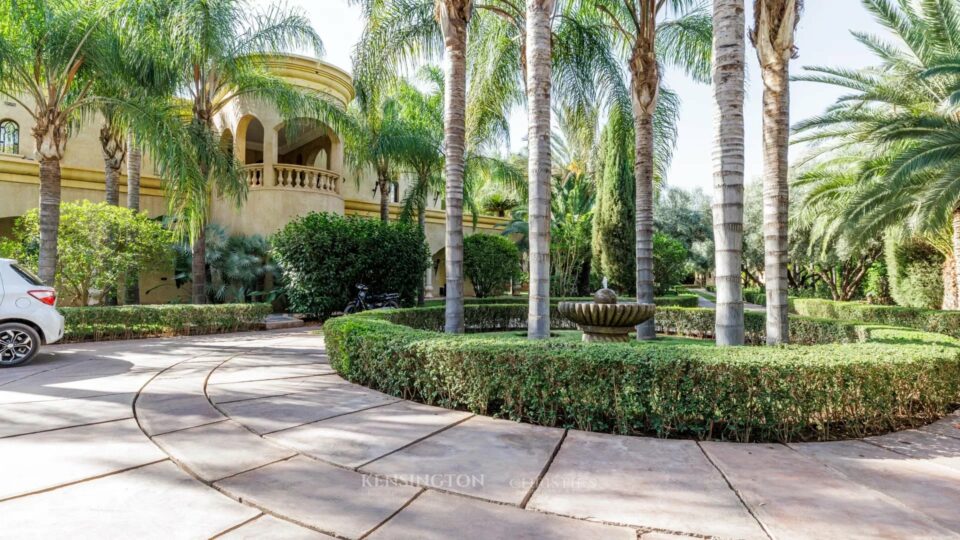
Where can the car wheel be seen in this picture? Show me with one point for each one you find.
(18, 344)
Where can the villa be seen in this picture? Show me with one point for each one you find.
(290, 172)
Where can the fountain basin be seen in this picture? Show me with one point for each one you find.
(606, 322)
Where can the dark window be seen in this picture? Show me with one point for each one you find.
(9, 137)
(27, 275)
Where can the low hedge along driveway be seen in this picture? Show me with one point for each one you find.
(889, 379)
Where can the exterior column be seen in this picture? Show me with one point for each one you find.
(428, 282)
(270, 139)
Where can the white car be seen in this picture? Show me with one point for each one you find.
(28, 314)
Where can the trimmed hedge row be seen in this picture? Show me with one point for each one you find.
(142, 321)
(820, 392)
(928, 320)
(679, 300)
(755, 296)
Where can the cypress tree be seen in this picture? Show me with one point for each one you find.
(614, 235)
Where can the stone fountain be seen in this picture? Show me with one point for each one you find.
(604, 320)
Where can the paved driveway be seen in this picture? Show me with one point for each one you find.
(253, 436)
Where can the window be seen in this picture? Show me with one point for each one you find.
(9, 137)
(27, 275)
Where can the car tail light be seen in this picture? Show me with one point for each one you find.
(48, 297)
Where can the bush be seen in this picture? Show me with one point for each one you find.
(669, 389)
(755, 296)
(914, 273)
(491, 263)
(127, 322)
(323, 256)
(680, 300)
(700, 323)
(669, 258)
(927, 320)
(98, 245)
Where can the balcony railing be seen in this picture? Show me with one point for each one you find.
(295, 177)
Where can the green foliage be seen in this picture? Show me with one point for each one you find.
(927, 320)
(668, 389)
(128, 322)
(686, 216)
(678, 300)
(614, 233)
(915, 273)
(669, 256)
(99, 244)
(572, 209)
(239, 267)
(324, 255)
(876, 287)
(700, 323)
(755, 296)
(498, 204)
(491, 263)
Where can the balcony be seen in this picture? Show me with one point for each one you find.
(294, 178)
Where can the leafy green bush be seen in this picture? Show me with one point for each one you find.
(98, 244)
(755, 296)
(915, 273)
(700, 323)
(927, 320)
(323, 256)
(127, 322)
(490, 262)
(669, 258)
(679, 300)
(823, 392)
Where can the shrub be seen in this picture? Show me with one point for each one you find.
(755, 296)
(680, 300)
(98, 244)
(491, 263)
(669, 389)
(126, 322)
(322, 257)
(915, 273)
(669, 258)
(928, 320)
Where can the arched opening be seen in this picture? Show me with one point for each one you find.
(226, 141)
(305, 142)
(253, 142)
(9, 137)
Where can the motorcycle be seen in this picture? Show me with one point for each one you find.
(365, 301)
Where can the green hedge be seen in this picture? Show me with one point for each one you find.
(128, 322)
(898, 379)
(755, 296)
(927, 320)
(679, 300)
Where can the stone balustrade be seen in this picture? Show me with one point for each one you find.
(294, 177)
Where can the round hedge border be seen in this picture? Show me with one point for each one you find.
(890, 379)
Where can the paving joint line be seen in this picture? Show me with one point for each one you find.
(178, 430)
(377, 406)
(391, 516)
(237, 526)
(83, 480)
(272, 378)
(66, 427)
(421, 439)
(736, 492)
(543, 472)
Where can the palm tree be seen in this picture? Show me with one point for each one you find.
(646, 41)
(775, 22)
(728, 83)
(538, 83)
(50, 54)
(218, 50)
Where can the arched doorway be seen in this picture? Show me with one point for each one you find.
(304, 142)
(253, 142)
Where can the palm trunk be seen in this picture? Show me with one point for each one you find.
(134, 162)
(956, 258)
(49, 218)
(728, 92)
(198, 267)
(454, 16)
(112, 151)
(422, 226)
(776, 136)
(538, 56)
(645, 84)
(383, 184)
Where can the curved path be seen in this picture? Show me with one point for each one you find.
(253, 436)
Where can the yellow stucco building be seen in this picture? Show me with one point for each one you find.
(293, 167)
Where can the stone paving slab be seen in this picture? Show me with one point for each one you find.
(270, 528)
(656, 483)
(949, 426)
(278, 358)
(115, 381)
(271, 414)
(230, 373)
(229, 392)
(923, 487)
(357, 438)
(334, 500)
(922, 445)
(215, 451)
(43, 460)
(796, 497)
(438, 516)
(163, 413)
(158, 501)
(33, 417)
(492, 459)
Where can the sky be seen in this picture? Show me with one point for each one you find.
(823, 38)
